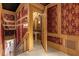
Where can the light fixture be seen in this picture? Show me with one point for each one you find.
(25, 25)
(38, 22)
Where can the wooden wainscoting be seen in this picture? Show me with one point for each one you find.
(63, 49)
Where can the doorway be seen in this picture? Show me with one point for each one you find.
(37, 28)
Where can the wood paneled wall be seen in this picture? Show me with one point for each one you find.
(21, 28)
(67, 28)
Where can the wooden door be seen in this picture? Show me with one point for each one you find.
(44, 29)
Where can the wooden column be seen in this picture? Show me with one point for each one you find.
(1, 38)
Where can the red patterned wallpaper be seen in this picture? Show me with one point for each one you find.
(24, 28)
(22, 12)
(52, 19)
(55, 40)
(20, 32)
(70, 19)
(18, 35)
(9, 17)
(18, 15)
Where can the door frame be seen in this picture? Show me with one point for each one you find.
(37, 8)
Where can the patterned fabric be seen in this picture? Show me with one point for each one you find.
(18, 15)
(55, 40)
(52, 19)
(22, 12)
(70, 19)
(18, 35)
(9, 17)
(20, 30)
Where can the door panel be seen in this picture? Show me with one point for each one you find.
(44, 30)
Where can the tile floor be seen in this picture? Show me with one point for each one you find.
(39, 51)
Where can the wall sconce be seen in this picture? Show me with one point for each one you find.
(25, 25)
(38, 22)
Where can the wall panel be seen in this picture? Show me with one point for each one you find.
(70, 19)
(22, 27)
(68, 28)
(52, 19)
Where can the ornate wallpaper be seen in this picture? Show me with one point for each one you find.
(21, 29)
(17, 15)
(9, 17)
(24, 30)
(22, 12)
(52, 19)
(55, 40)
(18, 34)
(70, 19)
